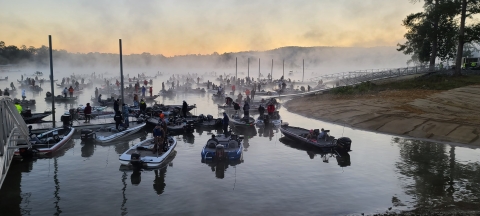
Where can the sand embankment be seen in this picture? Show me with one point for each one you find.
(448, 116)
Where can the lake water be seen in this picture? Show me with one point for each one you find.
(382, 174)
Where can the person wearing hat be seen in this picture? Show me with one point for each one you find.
(158, 135)
(88, 112)
(19, 108)
(225, 122)
(322, 134)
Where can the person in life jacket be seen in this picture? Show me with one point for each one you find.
(19, 107)
(246, 110)
(143, 106)
(261, 110)
(71, 91)
(270, 109)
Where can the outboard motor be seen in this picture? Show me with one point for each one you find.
(189, 128)
(344, 144)
(48, 94)
(65, 118)
(87, 134)
(220, 152)
(135, 160)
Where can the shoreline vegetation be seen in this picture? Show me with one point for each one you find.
(435, 107)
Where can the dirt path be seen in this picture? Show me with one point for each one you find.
(450, 116)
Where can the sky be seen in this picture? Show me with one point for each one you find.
(178, 27)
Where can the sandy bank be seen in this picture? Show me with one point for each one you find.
(449, 116)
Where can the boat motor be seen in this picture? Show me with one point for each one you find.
(188, 127)
(65, 118)
(344, 144)
(135, 160)
(87, 134)
(220, 152)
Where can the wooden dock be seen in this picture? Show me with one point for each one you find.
(94, 123)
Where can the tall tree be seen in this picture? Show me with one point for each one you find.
(427, 30)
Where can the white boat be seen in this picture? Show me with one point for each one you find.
(141, 154)
(109, 134)
(50, 141)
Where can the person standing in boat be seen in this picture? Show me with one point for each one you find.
(143, 107)
(225, 122)
(240, 98)
(12, 86)
(233, 89)
(23, 94)
(261, 110)
(184, 109)
(246, 109)
(143, 91)
(253, 93)
(163, 86)
(118, 119)
(71, 91)
(126, 112)
(158, 135)
(65, 92)
(1, 93)
(116, 105)
(19, 107)
(6, 93)
(96, 92)
(135, 100)
(150, 90)
(270, 109)
(88, 113)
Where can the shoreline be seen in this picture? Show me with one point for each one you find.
(450, 117)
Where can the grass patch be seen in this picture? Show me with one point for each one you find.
(427, 82)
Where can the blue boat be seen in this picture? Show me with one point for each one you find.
(223, 147)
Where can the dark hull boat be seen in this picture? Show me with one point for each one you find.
(34, 117)
(342, 144)
(178, 126)
(25, 103)
(60, 98)
(6, 79)
(236, 121)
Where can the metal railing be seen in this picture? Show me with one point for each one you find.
(355, 77)
(13, 130)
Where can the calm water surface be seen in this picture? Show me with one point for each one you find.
(277, 176)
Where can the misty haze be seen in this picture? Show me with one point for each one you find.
(269, 107)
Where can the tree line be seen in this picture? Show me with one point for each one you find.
(441, 32)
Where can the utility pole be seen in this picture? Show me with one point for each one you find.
(283, 68)
(51, 79)
(271, 72)
(258, 68)
(303, 70)
(121, 69)
(248, 68)
(236, 71)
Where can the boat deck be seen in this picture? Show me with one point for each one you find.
(148, 151)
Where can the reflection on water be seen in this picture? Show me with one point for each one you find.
(379, 173)
(437, 180)
(343, 160)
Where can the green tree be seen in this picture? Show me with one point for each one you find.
(429, 34)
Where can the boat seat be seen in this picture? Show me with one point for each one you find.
(212, 143)
(233, 144)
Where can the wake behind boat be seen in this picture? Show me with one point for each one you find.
(109, 134)
(141, 155)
